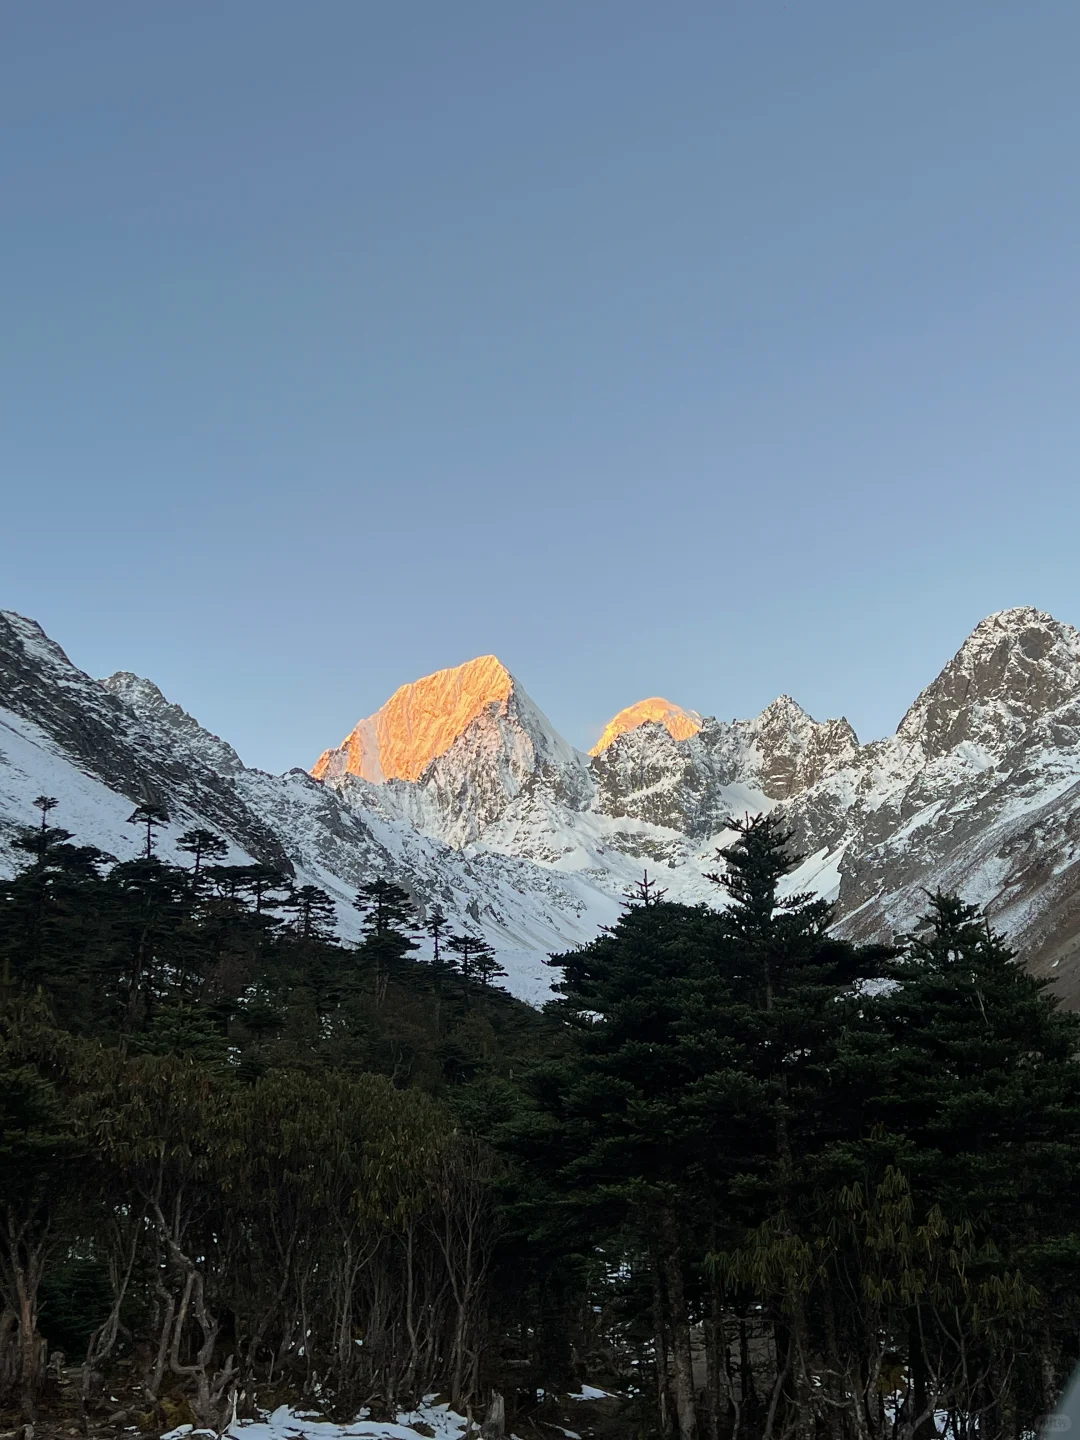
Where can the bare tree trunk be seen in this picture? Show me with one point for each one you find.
(210, 1393)
(9, 1350)
(29, 1354)
(410, 1307)
(157, 1375)
(105, 1336)
(682, 1361)
(778, 1387)
(23, 1255)
(923, 1424)
(494, 1426)
(714, 1373)
(663, 1388)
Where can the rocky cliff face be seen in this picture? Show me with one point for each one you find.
(460, 788)
(456, 751)
(92, 728)
(1016, 671)
(420, 723)
(978, 791)
(144, 699)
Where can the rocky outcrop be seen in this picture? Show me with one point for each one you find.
(693, 784)
(978, 792)
(1015, 671)
(144, 699)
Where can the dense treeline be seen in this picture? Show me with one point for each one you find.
(769, 1183)
(229, 1151)
(839, 1182)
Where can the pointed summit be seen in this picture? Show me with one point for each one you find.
(679, 723)
(418, 723)
(144, 699)
(795, 751)
(1014, 667)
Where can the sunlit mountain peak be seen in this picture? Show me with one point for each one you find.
(418, 723)
(679, 723)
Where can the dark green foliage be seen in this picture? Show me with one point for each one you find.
(435, 927)
(864, 1162)
(153, 815)
(767, 1177)
(485, 965)
(174, 1043)
(474, 959)
(76, 1296)
(385, 907)
(201, 845)
(41, 1146)
(312, 910)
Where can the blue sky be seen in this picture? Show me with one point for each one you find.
(709, 350)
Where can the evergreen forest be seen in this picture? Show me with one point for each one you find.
(760, 1182)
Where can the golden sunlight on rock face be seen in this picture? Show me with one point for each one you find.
(418, 723)
(679, 723)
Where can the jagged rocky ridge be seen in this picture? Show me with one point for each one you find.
(461, 788)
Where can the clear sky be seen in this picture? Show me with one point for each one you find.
(710, 350)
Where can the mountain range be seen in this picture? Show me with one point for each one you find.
(460, 788)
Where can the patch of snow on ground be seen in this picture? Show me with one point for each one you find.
(286, 1423)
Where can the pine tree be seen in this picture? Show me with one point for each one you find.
(385, 907)
(976, 1068)
(46, 804)
(435, 926)
(262, 882)
(153, 814)
(314, 911)
(485, 965)
(463, 947)
(148, 904)
(48, 923)
(230, 881)
(389, 924)
(617, 1163)
(202, 845)
(792, 993)
(797, 984)
(475, 958)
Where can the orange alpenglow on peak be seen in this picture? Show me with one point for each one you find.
(418, 723)
(679, 723)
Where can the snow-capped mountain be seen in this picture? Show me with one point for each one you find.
(103, 746)
(454, 752)
(460, 788)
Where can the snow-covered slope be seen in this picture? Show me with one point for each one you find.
(103, 746)
(461, 789)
